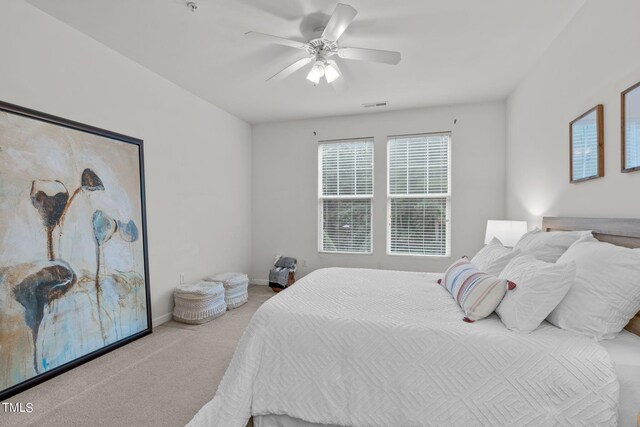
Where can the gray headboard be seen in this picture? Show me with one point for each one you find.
(621, 232)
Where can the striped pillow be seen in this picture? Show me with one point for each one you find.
(477, 293)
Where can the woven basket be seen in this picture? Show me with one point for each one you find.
(237, 296)
(235, 288)
(199, 302)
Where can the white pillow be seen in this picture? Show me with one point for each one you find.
(494, 257)
(540, 286)
(548, 246)
(606, 292)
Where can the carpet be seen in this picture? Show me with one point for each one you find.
(162, 379)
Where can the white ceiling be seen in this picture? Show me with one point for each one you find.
(453, 51)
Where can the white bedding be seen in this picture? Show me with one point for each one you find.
(356, 347)
(625, 353)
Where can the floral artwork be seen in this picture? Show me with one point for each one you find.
(73, 270)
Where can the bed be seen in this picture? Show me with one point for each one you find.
(356, 347)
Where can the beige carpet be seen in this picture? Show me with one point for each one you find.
(160, 380)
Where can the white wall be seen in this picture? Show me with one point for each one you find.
(198, 181)
(591, 62)
(285, 183)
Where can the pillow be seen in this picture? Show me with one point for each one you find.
(541, 287)
(606, 292)
(548, 246)
(494, 257)
(477, 293)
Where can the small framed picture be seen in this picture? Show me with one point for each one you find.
(631, 129)
(586, 143)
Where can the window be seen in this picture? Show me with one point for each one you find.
(632, 143)
(585, 140)
(418, 195)
(345, 194)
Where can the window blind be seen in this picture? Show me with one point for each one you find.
(346, 225)
(418, 203)
(632, 142)
(585, 149)
(346, 190)
(418, 226)
(347, 168)
(419, 165)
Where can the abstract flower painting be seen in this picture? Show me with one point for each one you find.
(73, 256)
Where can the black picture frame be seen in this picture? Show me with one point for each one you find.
(70, 124)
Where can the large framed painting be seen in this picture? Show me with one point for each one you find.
(74, 279)
(586, 146)
(631, 129)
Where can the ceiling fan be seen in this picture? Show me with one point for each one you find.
(321, 50)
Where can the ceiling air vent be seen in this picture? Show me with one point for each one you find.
(375, 104)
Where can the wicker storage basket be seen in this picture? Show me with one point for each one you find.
(198, 303)
(235, 288)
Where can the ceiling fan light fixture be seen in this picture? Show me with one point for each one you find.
(313, 77)
(323, 47)
(316, 73)
(330, 73)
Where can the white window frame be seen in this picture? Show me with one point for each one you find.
(321, 197)
(447, 196)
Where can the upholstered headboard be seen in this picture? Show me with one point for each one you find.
(621, 232)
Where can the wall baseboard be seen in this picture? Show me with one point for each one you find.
(157, 321)
(262, 282)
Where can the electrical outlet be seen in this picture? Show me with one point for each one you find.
(303, 262)
(181, 278)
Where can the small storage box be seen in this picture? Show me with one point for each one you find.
(235, 288)
(197, 303)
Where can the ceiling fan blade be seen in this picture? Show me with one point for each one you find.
(340, 20)
(361, 54)
(276, 39)
(290, 69)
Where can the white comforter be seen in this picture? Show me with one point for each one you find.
(357, 347)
